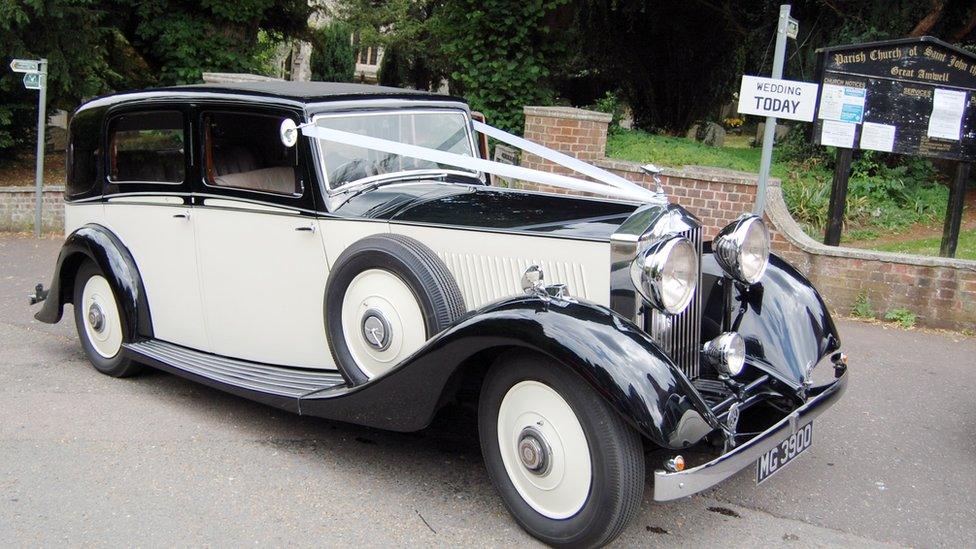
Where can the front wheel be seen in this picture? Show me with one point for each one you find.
(568, 468)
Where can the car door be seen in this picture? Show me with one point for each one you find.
(148, 185)
(262, 263)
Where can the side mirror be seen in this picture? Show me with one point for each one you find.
(288, 133)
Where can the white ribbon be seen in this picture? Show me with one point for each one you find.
(626, 191)
(564, 160)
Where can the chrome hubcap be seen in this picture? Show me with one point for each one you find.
(376, 330)
(96, 319)
(534, 452)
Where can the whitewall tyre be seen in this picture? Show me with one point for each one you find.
(99, 321)
(568, 468)
(386, 296)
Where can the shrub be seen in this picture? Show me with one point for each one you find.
(610, 104)
(904, 317)
(333, 57)
(862, 307)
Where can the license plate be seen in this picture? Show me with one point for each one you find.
(784, 452)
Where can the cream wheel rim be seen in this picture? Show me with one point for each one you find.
(544, 450)
(382, 322)
(103, 325)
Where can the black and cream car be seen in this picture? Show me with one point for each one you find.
(348, 252)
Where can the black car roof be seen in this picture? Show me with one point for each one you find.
(309, 91)
(282, 92)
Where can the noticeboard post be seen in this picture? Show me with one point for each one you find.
(914, 96)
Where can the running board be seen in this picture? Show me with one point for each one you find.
(275, 385)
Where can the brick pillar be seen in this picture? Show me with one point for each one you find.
(572, 131)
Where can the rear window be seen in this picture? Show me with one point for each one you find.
(147, 148)
(244, 151)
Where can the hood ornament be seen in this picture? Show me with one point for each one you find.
(655, 172)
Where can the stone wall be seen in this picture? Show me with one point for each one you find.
(17, 209)
(941, 291)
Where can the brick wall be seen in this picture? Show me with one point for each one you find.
(941, 291)
(576, 132)
(17, 209)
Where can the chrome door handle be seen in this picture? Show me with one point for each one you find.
(181, 216)
(306, 228)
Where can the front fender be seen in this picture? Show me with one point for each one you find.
(98, 244)
(783, 319)
(620, 362)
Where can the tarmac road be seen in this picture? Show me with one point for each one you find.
(156, 460)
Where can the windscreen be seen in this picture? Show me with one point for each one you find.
(443, 130)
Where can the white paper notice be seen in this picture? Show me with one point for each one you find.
(838, 134)
(842, 103)
(947, 110)
(877, 137)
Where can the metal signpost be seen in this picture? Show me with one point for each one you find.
(786, 27)
(35, 78)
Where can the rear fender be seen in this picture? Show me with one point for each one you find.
(620, 362)
(98, 244)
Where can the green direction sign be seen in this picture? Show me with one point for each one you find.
(25, 65)
(32, 80)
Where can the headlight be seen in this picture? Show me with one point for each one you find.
(666, 274)
(742, 249)
(726, 353)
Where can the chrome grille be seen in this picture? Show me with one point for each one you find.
(680, 335)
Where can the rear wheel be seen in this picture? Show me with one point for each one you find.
(568, 468)
(99, 322)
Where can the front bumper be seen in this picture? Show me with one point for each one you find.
(672, 486)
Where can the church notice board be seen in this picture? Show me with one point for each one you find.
(914, 96)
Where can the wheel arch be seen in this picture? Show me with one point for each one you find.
(99, 245)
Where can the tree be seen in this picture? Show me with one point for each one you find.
(70, 35)
(406, 28)
(178, 40)
(98, 46)
(673, 61)
(499, 53)
(493, 52)
(333, 57)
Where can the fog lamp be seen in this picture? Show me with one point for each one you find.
(726, 353)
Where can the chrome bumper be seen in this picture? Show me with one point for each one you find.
(672, 486)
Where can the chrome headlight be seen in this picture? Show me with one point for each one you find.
(726, 353)
(742, 249)
(666, 274)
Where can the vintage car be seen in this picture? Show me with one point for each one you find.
(348, 252)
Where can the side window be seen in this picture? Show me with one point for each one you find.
(244, 151)
(84, 153)
(147, 147)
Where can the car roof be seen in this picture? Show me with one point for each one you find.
(308, 91)
(295, 94)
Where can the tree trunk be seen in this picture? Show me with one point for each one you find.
(928, 22)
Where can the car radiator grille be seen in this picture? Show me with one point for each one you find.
(680, 335)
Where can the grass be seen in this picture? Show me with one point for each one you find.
(678, 151)
(965, 249)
